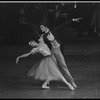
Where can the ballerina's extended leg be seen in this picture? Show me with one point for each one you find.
(69, 85)
(74, 85)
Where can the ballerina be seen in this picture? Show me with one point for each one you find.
(46, 69)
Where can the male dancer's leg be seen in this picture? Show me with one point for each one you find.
(61, 62)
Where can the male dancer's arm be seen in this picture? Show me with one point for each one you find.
(72, 20)
(51, 37)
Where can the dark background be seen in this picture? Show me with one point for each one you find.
(14, 32)
(18, 25)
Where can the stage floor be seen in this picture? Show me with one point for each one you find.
(83, 61)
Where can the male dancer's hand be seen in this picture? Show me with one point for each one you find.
(17, 60)
(50, 36)
(76, 19)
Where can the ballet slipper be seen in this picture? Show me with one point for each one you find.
(44, 86)
(74, 85)
(71, 87)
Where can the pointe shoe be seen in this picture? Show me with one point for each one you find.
(45, 86)
(74, 85)
(71, 87)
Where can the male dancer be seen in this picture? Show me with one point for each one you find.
(58, 54)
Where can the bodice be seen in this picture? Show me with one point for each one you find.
(43, 49)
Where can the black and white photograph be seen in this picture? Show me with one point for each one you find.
(49, 49)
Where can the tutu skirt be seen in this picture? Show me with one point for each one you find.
(46, 68)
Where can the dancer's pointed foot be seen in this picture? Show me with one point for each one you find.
(74, 85)
(44, 86)
(71, 87)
